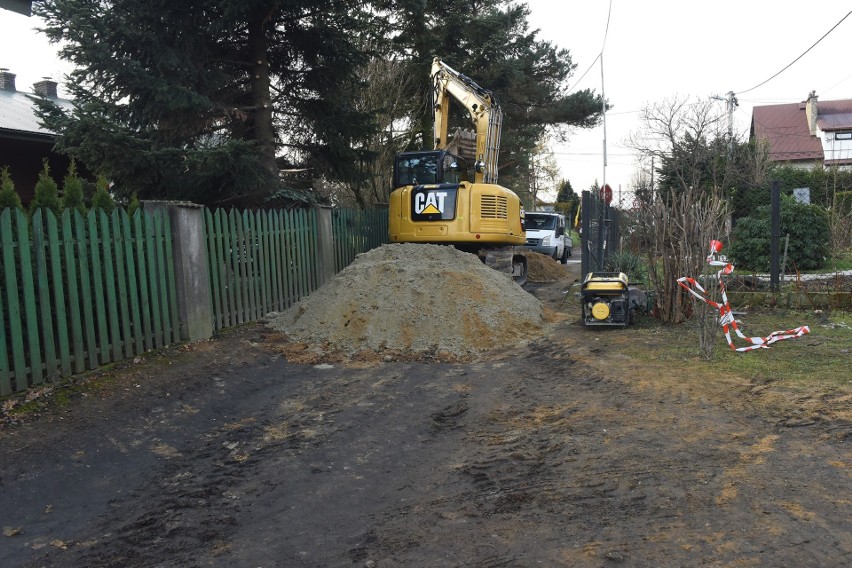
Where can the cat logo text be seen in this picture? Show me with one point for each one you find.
(434, 203)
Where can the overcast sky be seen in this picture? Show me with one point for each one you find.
(655, 49)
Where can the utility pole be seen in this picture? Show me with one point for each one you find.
(603, 112)
(731, 104)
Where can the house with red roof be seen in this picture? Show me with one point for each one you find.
(806, 134)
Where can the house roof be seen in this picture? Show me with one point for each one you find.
(17, 115)
(785, 127)
(834, 115)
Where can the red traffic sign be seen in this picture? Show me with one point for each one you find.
(606, 193)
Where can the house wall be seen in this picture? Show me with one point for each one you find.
(835, 149)
(24, 159)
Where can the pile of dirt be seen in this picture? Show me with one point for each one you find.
(542, 268)
(407, 300)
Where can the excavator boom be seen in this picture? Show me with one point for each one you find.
(485, 113)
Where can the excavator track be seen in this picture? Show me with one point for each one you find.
(511, 260)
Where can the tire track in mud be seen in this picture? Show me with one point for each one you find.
(529, 458)
(565, 467)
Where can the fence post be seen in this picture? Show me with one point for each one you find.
(192, 275)
(325, 244)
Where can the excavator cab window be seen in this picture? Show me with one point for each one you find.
(416, 168)
(421, 168)
(455, 169)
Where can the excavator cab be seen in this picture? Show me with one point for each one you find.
(425, 168)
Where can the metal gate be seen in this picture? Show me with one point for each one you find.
(599, 225)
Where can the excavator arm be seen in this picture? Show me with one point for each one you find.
(484, 111)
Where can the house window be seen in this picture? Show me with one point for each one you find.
(843, 135)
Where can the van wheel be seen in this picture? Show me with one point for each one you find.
(565, 256)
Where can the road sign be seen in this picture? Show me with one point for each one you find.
(606, 193)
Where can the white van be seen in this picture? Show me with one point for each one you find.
(546, 233)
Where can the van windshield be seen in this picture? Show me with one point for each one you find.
(535, 222)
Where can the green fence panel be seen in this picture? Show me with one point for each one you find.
(81, 291)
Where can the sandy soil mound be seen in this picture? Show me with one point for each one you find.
(417, 299)
(542, 268)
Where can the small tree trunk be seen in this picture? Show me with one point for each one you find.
(263, 129)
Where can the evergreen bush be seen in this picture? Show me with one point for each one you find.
(807, 226)
(8, 196)
(133, 206)
(72, 190)
(102, 199)
(46, 193)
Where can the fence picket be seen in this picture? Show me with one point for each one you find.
(144, 278)
(98, 287)
(5, 375)
(137, 333)
(225, 271)
(71, 279)
(44, 304)
(16, 336)
(118, 247)
(86, 295)
(213, 265)
(58, 281)
(109, 284)
(251, 265)
(28, 292)
(263, 261)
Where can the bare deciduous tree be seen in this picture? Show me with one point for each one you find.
(677, 224)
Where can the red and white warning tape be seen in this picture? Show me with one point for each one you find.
(726, 316)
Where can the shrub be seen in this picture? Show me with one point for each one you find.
(8, 195)
(46, 193)
(72, 190)
(102, 199)
(807, 226)
(629, 263)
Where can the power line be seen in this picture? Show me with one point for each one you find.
(592, 64)
(799, 57)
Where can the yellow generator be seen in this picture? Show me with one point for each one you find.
(608, 299)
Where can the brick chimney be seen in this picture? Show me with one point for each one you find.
(811, 112)
(7, 80)
(46, 88)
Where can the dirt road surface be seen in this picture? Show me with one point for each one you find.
(560, 452)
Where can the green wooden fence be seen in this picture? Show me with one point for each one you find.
(265, 261)
(356, 231)
(259, 262)
(81, 291)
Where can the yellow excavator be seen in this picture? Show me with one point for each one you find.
(434, 201)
